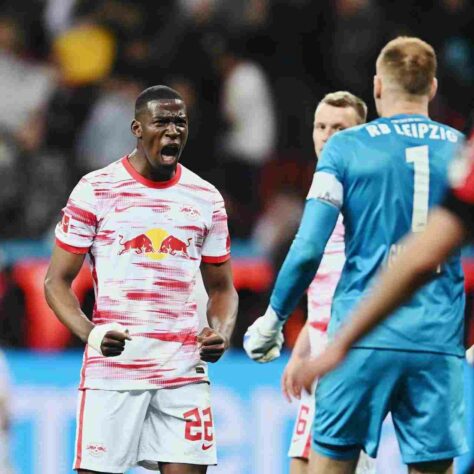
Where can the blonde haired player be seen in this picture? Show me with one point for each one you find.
(336, 111)
(383, 177)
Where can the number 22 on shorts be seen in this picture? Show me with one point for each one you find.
(199, 426)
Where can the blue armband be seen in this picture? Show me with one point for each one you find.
(305, 255)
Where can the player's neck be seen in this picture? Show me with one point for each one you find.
(141, 165)
(400, 106)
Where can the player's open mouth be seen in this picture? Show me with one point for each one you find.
(170, 152)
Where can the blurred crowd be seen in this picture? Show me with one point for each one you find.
(250, 72)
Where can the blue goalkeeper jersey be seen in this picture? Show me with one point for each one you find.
(385, 176)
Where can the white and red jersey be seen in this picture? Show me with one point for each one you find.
(145, 240)
(321, 290)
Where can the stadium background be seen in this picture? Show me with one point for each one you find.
(251, 73)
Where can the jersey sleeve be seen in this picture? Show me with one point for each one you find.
(216, 246)
(304, 256)
(327, 185)
(77, 229)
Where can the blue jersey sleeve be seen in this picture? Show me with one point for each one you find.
(325, 199)
(304, 256)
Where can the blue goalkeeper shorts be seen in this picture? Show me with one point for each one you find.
(423, 391)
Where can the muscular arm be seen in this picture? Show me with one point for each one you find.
(304, 257)
(223, 300)
(264, 338)
(63, 269)
(413, 268)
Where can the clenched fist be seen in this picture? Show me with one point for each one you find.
(211, 345)
(108, 339)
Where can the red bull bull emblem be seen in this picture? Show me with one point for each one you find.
(155, 244)
(174, 246)
(139, 244)
(96, 449)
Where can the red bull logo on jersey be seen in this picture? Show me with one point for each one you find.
(96, 449)
(139, 244)
(155, 244)
(174, 246)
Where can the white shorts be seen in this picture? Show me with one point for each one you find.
(301, 439)
(117, 430)
(300, 446)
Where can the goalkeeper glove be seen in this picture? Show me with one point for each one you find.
(470, 355)
(264, 338)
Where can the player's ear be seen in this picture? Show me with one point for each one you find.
(377, 87)
(136, 128)
(434, 88)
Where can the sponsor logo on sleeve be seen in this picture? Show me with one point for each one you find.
(65, 223)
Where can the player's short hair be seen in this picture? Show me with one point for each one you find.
(346, 99)
(409, 64)
(154, 93)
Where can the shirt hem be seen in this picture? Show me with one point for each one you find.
(114, 387)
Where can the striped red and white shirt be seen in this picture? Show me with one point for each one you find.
(321, 290)
(145, 240)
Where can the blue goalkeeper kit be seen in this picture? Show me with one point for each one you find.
(384, 177)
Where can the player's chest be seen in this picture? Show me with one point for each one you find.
(154, 229)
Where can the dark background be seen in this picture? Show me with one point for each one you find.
(70, 72)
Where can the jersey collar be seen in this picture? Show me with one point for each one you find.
(404, 116)
(149, 182)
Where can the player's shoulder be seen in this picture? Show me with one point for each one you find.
(346, 138)
(194, 183)
(452, 131)
(446, 127)
(107, 174)
(355, 131)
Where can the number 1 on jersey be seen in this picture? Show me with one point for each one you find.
(418, 155)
